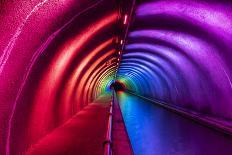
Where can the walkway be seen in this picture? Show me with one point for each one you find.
(154, 130)
(84, 134)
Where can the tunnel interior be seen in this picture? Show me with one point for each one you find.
(117, 86)
(66, 63)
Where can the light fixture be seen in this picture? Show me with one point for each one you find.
(121, 42)
(125, 19)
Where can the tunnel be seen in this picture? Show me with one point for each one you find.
(115, 77)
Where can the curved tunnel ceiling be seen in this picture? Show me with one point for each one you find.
(56, 57)
(179, 52)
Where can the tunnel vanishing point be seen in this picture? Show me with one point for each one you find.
(115, 77)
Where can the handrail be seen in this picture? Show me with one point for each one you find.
(108, 141)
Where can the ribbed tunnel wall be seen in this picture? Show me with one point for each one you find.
(57, 56)
(179, 52)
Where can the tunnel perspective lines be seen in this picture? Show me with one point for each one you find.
(54, 75)
(179, 52)
(70, 68)
(59, 57)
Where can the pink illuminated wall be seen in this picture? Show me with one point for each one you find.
(54, 55)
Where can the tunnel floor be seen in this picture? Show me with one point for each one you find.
(83, 134)
(152, 130)
(155, 130)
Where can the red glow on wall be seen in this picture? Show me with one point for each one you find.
(51, 81)
(87, 83)
(70, 87)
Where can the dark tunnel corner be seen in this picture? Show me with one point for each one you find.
(118, 86)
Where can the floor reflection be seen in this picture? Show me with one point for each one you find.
(155, 131)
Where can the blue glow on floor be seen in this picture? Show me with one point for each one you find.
(156, 131)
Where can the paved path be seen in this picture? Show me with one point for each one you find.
(121, 143)
(84, 134)
(154, 130)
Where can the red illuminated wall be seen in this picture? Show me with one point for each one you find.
(54, 56)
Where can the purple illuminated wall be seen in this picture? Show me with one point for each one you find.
(180, 52)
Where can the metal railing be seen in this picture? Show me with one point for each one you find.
(108, 141)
